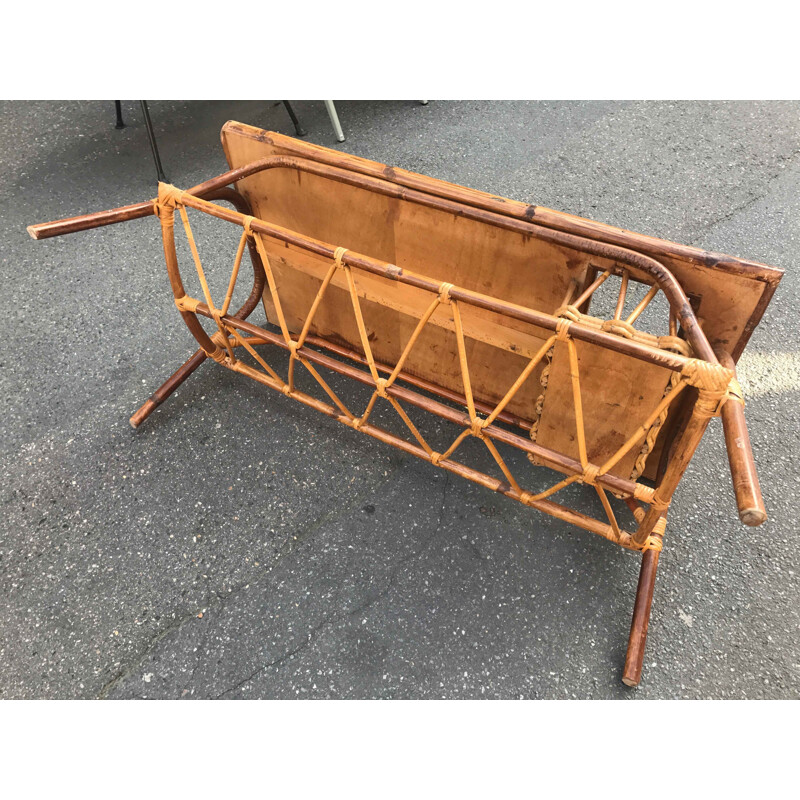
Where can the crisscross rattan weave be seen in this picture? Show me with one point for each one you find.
(712, 379)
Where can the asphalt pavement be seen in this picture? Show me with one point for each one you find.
(240, 545)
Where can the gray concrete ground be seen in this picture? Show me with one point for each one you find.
(239, 545)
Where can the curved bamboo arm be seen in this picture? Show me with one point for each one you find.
(740, 457)
(637, 261)
(259, 280)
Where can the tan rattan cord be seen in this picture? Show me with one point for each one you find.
(715, 382)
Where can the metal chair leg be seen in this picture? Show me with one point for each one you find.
(337, 128)
(120, 121)
(153, 146)
(297, 129)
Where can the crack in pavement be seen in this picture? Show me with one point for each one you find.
(279, 660)
(216, 601)
(708, 227)
(329, 620)
(200, 647)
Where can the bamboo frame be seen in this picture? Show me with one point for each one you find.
(710, 377)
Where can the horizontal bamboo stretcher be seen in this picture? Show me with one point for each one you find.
(474, 309)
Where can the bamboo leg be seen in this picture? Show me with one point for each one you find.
(632, 673)
(167, 388)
